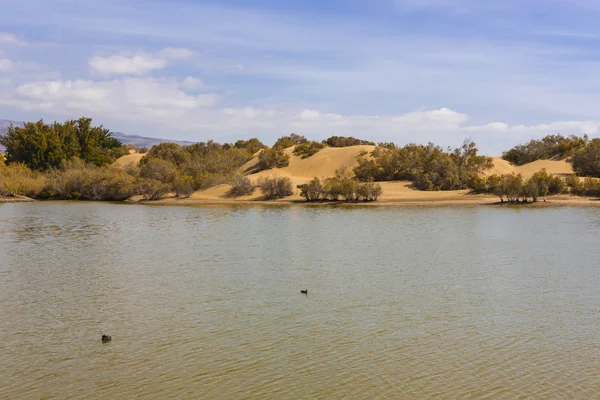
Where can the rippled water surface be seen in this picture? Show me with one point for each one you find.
(405, 303)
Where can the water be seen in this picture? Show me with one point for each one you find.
(447, 302)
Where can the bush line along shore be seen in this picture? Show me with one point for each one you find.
(75, 160)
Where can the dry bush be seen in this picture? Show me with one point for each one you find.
(19, 179)
(275, 187)
(241, 186)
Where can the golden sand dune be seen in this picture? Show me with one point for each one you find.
(327, 161)
(501, 166)
(322, 164)
(131, 158)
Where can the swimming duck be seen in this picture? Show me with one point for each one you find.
(106, 338)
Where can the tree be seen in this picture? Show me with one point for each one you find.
(158, 169)
(183, 185)
(41, 146)
(313, 190)
(587, 161)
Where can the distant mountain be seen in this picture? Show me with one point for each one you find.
(136, 140)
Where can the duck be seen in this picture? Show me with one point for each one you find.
(106, 338)
(304, 291)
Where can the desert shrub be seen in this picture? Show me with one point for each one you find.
(343, 141)
(288, 141)
(153, 189)
(587, 161)
(159, 170)
(241, 186)
(369, 191)
(275, 187)
(575, 185)
(551, 146)
(308, 149)
(183, 185)
(332, 188)
(428, 167)
(76, 181)
(251, 145)
(207, 163)
(19, 179)
(275, 157)
(313, 190)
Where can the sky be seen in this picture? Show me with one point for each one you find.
(405, 71)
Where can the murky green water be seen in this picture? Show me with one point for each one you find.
(448, 302)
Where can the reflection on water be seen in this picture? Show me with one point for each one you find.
(205, 302)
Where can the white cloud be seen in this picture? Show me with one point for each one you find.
(6, 37)
(5, 64)
(191, 83)
(175, 53)
(139, 63)
(150, 103)
(128, 99)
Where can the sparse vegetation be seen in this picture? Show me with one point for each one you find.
(73, 160)
(343, 186)
(343, 141)
(428, 167)
(288, 141)
(549, 147)
(308, 149)
(275, 187)
(241, 186)
(275, 157)
(514, 188)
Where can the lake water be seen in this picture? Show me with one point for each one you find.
(205, 302)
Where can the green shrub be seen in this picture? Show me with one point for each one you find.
(42, 146)
(343, 141)
(153, 189)
(428, 167)
(306, 150)
(275, 187)
(551, 146)
(587, 161)
(159, 170)
(288, 141)
(183, 185)
(77, 181)
(313, 190)
(369, 191)
(273, 158)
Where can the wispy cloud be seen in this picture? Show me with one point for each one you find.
(138, 63)
(386, 71)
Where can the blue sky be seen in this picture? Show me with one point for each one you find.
(385, 70)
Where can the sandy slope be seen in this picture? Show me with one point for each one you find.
(131, 158)
(501, 166)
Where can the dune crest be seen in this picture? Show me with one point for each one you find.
(560, 168)
(129, 159)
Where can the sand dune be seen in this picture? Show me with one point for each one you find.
(325, 163)
(501, 166)
(131, 158)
